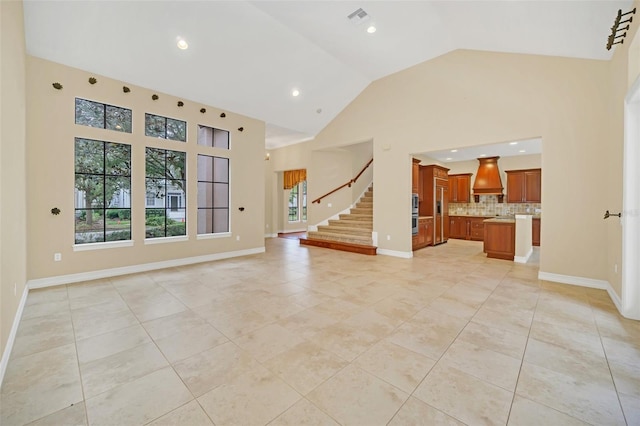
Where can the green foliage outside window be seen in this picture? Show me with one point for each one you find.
(166, 187)
(103, 116)
(158, 126)
(102, 191)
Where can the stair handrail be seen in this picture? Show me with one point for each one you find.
(351, 182)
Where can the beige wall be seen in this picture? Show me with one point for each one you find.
(327, 169)
(13, 225)
(50, 168)
(468, 98)
(625, 69)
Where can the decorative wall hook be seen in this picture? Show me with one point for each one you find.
(241, 129)
(125, 89)
(154, 97)
(203, 110)
(55, 211)
(607, 215)
(241, 209)
(180, 103)
(57, 86)
(223, 115)
(92, 80)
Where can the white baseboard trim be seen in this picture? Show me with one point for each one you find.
(614, 297)
(569, 279)
(395, 253)
(106, 273)
(12, 334)
(287, 231)
(523, 259)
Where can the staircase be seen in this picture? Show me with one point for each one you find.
(351, 232)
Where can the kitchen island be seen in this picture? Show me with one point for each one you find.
(508, 237)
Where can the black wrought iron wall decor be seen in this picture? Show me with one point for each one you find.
(57, 86)
(93, 80)
(616, 38)
(125, 89)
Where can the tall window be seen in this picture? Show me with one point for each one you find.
(158, 126)
(102, 191)
(213, 194)
(103, 116)
(166, 212)
(298, 202)
(216, 138)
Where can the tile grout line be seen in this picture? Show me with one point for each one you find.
(75, 345)
(606, 357)
(524, 353)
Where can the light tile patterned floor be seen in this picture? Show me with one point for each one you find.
(303, 335)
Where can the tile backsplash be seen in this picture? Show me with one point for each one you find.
(489, 206)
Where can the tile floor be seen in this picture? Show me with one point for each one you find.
(303, 335)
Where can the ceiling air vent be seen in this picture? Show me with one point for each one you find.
(358, 16)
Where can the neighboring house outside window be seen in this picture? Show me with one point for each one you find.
(165, 210)
(102, 191)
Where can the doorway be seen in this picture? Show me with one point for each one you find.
(631, 205)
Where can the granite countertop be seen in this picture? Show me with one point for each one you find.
(493, 216)
(500, 220)
(473, 215)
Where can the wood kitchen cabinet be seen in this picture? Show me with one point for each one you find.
(466, 228)
(500, 239)
(476, 226)
(458, 227)
(460, 188)
(415, 176)
(535, 240)
(524, 186)
(425, 233)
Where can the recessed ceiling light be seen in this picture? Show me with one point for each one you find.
(513, 143)
(371, 29)
(483, 155)
(182, 44)
(522, 150)
(449, 158)
(295, 92)
(454, 150)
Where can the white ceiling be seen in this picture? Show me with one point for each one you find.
(507, 149)
(247, 56)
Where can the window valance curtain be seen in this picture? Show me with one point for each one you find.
(294, 177)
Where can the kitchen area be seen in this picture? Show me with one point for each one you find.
(490, 199)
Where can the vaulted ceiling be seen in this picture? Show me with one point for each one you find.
(248, 56)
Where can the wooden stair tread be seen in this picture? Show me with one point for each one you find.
(339, 245)
(338, 236)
